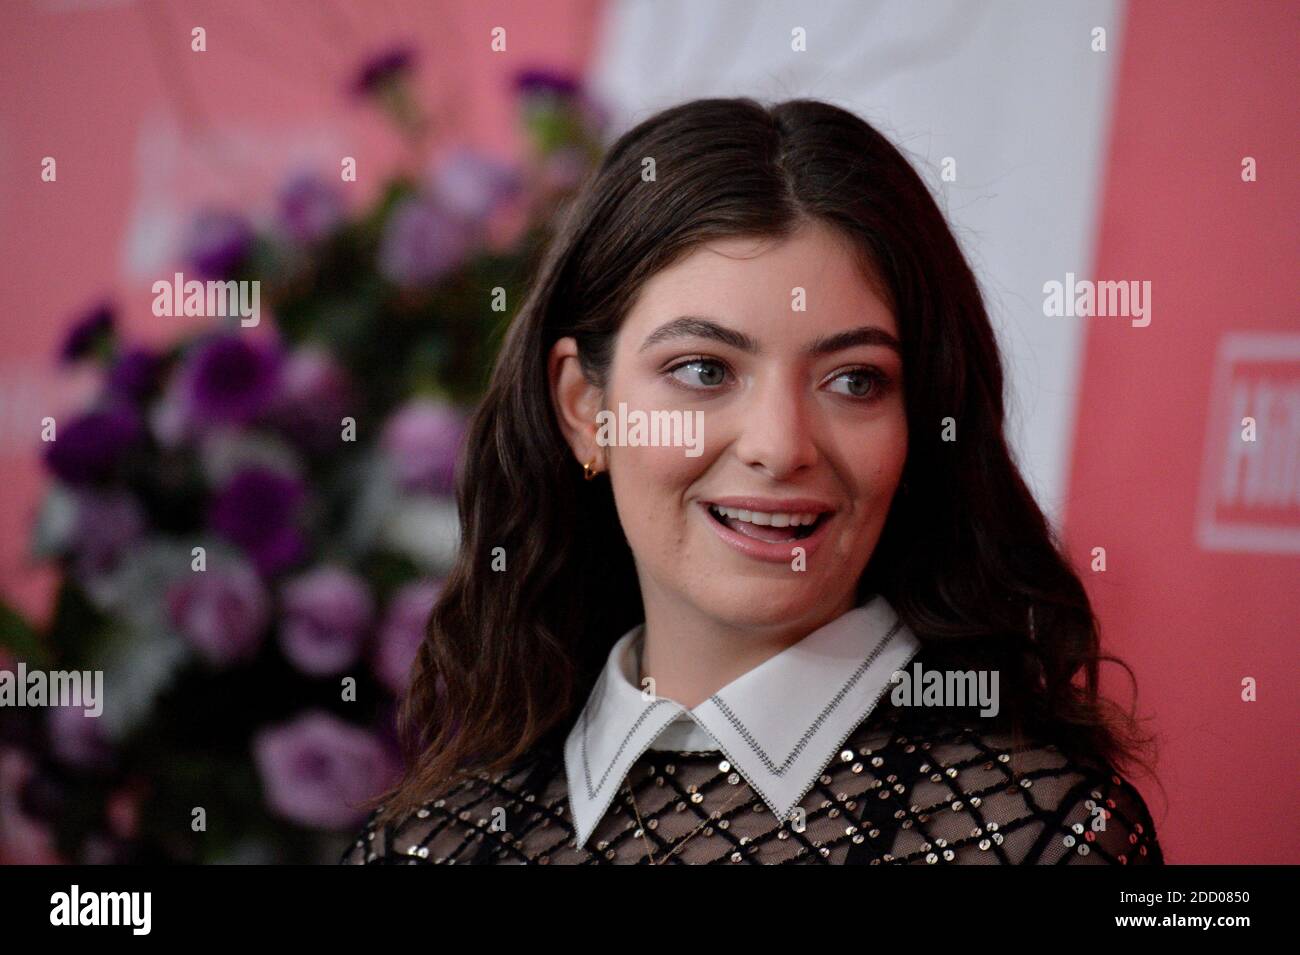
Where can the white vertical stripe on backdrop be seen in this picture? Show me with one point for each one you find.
(1011, 89)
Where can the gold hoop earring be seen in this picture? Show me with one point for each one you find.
(588, 471)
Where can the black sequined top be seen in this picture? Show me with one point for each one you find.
(935, 793)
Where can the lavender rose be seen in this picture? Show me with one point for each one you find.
(318, 769)
(328, 612)
(402, 632)
(421, 243)
(78, 740)
(222, 612)
(107, 524)
(315, 395)
(423, 441)
(310, 208)
(472, 186)
(258, 510)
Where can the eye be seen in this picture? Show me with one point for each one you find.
(699, 373)
(864, 383)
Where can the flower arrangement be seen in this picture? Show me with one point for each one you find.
(251, 524)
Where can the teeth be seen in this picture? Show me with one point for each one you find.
(765, 518)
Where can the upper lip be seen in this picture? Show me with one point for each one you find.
(774, 505)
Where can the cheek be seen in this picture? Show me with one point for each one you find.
(877, 454)
(875, 468)
(891, 456)
(651, 490)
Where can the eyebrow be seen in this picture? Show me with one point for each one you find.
(695, 326)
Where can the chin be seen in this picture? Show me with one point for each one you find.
(758, 602)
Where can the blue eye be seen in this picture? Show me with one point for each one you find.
(867, 382)
(708, 373)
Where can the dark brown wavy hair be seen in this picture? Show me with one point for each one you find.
(966, 557)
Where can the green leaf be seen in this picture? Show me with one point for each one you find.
(77, 626)
(20, 638)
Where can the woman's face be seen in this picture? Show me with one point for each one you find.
(788, 360)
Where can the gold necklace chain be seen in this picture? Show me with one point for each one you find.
(740, 788)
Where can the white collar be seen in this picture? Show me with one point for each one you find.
(826, 685)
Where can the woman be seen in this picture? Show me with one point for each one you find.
(743, 633)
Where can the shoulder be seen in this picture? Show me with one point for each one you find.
(468, 822)
(972, 794)
(364, 850)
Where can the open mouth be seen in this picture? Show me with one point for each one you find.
(774, 528)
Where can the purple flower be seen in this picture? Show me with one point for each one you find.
(315, 395)
(545, 82)
(472, 186)
(383, 68)
(134, 375)
(423, 441)
(386, 721)
(421, 242)
(106, 525)
(222, 612)
(258, 510)
(402, 633)
(310, 208)
(318, 769)
(92, 447)
(328, 612)
(78, 740)
(91, 328)
(218, 244)
(231, 378)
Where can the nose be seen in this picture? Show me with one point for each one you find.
(777, 428)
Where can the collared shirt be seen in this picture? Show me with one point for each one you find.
(780, 724)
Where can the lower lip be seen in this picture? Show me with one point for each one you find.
(775, 552)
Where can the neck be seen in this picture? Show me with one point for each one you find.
(690, 656)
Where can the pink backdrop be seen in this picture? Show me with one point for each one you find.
(1201, 86)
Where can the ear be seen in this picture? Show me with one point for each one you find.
(576, 401)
